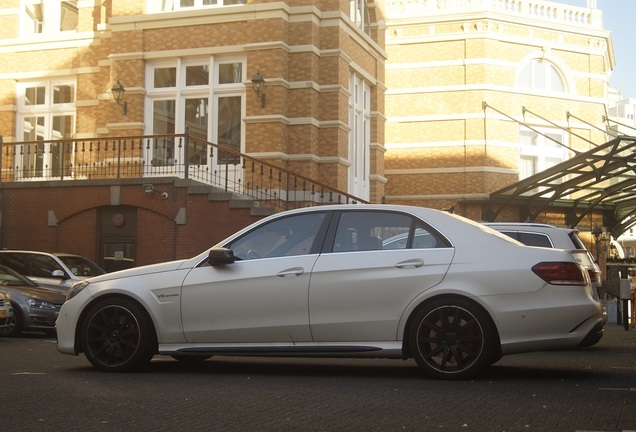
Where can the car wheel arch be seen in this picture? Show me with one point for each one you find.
(112, 296)
(448, 298)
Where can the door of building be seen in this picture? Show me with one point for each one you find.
(118, 237)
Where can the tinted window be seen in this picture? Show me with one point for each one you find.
(15, 261)
(364, 231)
(530, 239)
(576, 241)
(294, 235)
(43, 266)
(81, 266)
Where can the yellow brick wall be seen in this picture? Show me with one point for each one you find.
(119, 55)
(450, 69)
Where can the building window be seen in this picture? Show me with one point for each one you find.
(541, 75)
(359, 136)
(50, 16)
(171, 5)
(359, 14)
(46, 112)
(204, 96)
(540, 151)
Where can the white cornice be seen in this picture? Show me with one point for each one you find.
(452, 170)
(437, 197)
(42, 42)
(300, 157)
(31, 75)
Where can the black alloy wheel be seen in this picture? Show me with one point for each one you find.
(452, 339)
(118, 336)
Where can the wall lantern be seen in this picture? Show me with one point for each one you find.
(258, 82)
(118, 94)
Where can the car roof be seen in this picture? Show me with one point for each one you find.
(529, 225)
(39, 252)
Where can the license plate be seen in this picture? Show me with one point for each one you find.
(3, 313)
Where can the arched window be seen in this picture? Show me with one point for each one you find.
(540, 74)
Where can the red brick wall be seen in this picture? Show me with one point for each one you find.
(26, 224)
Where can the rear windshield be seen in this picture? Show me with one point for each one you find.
(576, 241)
(81, 266)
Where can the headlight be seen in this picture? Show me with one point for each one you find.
(39, 304)
(76, 289)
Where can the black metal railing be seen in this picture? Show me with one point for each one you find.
(178, 155)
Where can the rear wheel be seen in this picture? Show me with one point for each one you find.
(452, 339)
(118, 336)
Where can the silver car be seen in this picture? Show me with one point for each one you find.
(380, 281)
(53, 270)
(35, 308)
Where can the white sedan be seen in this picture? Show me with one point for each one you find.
(340, 281)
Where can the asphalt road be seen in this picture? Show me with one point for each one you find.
(592, 389)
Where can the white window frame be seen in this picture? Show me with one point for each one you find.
(154, 6)
(359, 137)
(48, 111)
(212, 92)
(50, 20)
(541, 150)
(540, 74)
(359, 15)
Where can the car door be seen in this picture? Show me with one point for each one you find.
(361, 287)
(262, 297)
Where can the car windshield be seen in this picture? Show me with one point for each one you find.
(10, 278)
(80, 266)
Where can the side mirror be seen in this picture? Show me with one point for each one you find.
(58, 274)
(221, 256)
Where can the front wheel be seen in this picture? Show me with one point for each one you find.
(452, 339)
(15, 323)
(118, 336)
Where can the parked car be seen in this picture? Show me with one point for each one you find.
(6, 311)
(54, 270)
(318, 282)
(543, 235)
(35, 308)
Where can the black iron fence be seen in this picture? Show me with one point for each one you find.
(179, 155)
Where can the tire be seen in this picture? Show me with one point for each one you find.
(451, 338)
(118, 336)
(16, 324)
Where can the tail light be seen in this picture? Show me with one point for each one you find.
(561, 273)
(595, 276)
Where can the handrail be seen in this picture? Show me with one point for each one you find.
(170, 155)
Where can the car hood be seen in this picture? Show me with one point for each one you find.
(40, 293)
(143, 270)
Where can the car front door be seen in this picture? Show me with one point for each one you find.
(262, 297)
(379, 262)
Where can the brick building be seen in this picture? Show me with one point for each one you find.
(184, 65)
(482, 94)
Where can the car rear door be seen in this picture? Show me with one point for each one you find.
(360, 288)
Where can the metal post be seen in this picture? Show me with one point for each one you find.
(186, 152)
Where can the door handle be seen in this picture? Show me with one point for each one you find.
(414, 263)
(296, 271)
